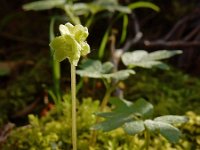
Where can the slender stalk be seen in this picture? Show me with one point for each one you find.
(105, 99)
(55, 67)
(104, 103)
(147, 139)
(73, 92)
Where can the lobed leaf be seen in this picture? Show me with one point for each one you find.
(134, 127)
(141, 58)
(112, 123)
(142, 107)
(120, 104)
(120, 75)
(125, 112)
(43, 5)
(171, 133)
(163, 54)
(95, 69)
(112, 6)
(172, 119)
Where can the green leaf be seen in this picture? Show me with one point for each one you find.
(142, 58)
(163, 54)
(172, 119)
(95, 69)
(119, 103)
(141, 4)
(142, 107)
(43, 5)
(81, 8)
(124, 112)
(171, 133)
(111, 5)
(112, 123)
(134, 127)
(107, 67)
(120, 75)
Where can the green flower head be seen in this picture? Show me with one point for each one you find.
(71, 44)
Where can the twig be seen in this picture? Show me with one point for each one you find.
(173, 44)
(28, 109)
(178, 25)
(138, 34)
(192, 33)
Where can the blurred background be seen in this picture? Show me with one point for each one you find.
(27, 71)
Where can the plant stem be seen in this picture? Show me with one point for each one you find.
(147, 139)
(73, 93)
(105, 99)
(55, 67)
(109, 90)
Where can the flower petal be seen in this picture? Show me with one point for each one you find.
(80, 33)
(85, 48)
(63, 29)
(66, 47)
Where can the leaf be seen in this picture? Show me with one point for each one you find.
(112, 123)
(81, 8)
(142, 107)
(142, 58)
(120, 75)
(119, 103)
(95, 69)
(142, 4)
(43, 5)
(111, 5)
(134, 127)
(107, 67)
(163, 54)
(171, 133)
(124, 112)
(172, 119)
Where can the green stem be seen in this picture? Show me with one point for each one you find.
(73, 92)
(55, 67)
(69, 12)
(105, 99)
(109, 90)
(147, 139)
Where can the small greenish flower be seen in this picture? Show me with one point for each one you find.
(71, 44)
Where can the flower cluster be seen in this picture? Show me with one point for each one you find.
(71, 44)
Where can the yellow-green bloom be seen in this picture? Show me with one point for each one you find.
(71, 44)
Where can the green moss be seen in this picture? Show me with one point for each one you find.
(53, 132)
